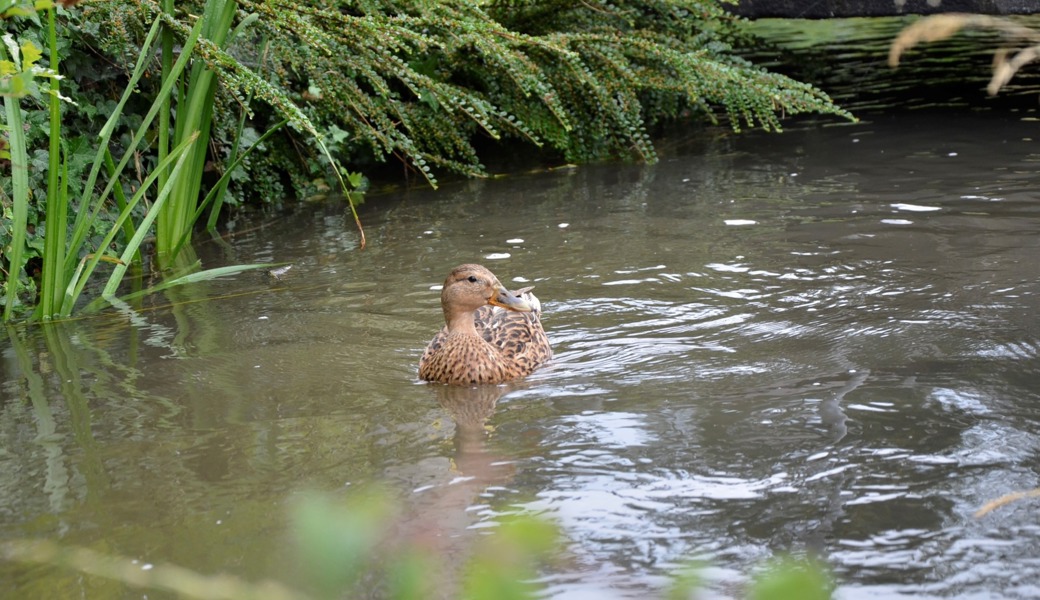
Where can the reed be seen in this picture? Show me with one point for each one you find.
(67, 261)
(21, 75)
(20, 198)
(194, 117)
(76, 271)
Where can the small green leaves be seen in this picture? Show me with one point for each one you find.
(355, 179)
(18, 74)
(425, 81)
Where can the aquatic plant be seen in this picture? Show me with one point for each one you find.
(70, 253)
(64, 268)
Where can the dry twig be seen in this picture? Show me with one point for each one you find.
(1003, 500)
(941, 27)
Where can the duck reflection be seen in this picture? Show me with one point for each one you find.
(441, 516)
(470, 409)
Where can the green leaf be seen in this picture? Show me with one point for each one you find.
(18, 10)
(12, 49)
(30, 54)
(790, 579)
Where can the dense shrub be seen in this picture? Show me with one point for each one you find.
(357, 82)
(421, 81)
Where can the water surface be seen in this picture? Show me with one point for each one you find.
(822, 342)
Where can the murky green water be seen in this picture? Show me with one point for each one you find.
(820, 342)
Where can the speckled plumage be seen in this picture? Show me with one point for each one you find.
(491, 335)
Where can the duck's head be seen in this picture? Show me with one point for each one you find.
(468, 287)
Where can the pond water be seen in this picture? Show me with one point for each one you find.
(822, 343)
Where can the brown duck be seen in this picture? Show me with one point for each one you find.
(492, 335)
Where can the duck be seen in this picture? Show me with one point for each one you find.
(491, 335)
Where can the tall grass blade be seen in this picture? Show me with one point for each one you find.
(196, 277)
(194, 113)
(75, 287)
(128, 225)
(85, 217)
(81, 226)
(183, 153)
(54, 274)
(20, 189)
(166, 50)
(216, 192)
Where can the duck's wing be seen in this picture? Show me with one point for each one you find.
(519, 335)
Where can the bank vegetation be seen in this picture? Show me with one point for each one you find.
(131, 124)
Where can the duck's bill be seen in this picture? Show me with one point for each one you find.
(507, 300)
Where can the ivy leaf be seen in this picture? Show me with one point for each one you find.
(30, 54)
(355, 179)
(12, 49)
(15, 87)
(337, 135)
(18, 10)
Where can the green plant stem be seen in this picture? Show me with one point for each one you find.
(88, 264)
(184, 151)
(221, 184)
(52, 285)
(20, 189)
(85, 216)
(128, 226)
(166, 42)
(194, 114)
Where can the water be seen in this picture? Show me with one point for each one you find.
(822, 342)
(848, 58)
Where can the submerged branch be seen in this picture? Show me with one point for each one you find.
(179, 580)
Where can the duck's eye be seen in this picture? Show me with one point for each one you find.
(472, 279)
